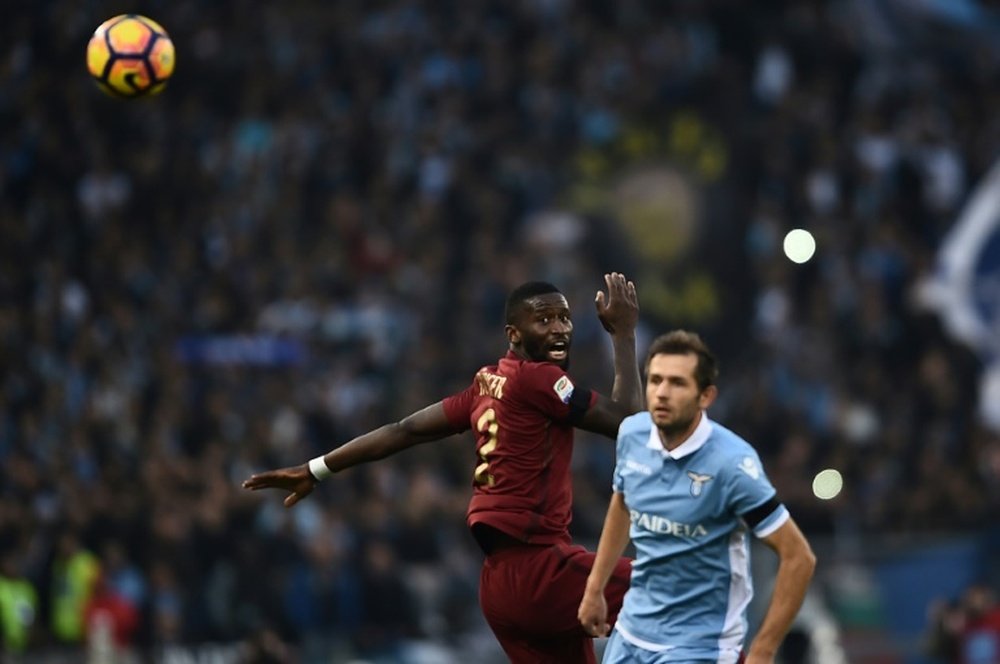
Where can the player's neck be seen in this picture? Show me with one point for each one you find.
(672, 442)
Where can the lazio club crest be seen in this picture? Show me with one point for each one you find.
(697, 482)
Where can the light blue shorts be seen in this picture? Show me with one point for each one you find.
(620, 651)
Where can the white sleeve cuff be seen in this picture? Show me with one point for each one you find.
(765, 530)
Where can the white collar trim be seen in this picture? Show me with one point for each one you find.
(693, 443)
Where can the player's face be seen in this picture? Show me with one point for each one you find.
(673, 397)
(544, 330)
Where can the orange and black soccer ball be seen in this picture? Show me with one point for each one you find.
(130, 56)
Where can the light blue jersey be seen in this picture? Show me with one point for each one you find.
(690, 509)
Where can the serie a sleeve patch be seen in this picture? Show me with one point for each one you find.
(563, 389)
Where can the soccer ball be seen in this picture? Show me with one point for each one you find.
(130, 56)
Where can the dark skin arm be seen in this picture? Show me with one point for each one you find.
(423, 426)
(619, 314)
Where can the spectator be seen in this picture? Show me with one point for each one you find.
(18, 608)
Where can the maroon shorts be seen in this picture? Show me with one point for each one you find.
(530, 596)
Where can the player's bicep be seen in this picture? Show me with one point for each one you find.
(787, 540)
(431, 423)
(456, 409)
(604, 416)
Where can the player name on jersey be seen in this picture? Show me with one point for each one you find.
(490, 385)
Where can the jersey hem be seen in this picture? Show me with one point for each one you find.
(641, 643)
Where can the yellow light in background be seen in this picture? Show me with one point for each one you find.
(799, 245)
(827, 484)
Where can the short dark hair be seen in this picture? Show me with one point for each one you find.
(682, 342)
(522, 294)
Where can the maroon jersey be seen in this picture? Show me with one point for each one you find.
(522, 414)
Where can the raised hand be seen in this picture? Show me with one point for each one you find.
(619, 311)
(298, 481)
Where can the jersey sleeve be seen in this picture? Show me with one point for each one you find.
(752, 496)
(552, 392)
(458, 408)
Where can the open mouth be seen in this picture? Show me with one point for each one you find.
(558, 351)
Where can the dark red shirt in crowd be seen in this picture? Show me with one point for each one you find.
(522, 414)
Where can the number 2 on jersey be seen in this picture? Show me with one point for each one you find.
(486, 424)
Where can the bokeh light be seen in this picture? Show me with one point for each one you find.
(799, 245)
(827, 484)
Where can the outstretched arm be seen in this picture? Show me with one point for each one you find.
(593, 611)
(795, 570)
(423, 426)
(619, 314)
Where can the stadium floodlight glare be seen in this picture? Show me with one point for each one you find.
(799, 245)
(827, 484)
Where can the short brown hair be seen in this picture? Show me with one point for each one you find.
(682, 342)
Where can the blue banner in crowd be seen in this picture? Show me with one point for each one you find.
(250, 350)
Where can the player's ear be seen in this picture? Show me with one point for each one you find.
(513, 334)
(707, 396)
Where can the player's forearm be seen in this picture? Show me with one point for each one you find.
(627, 388)
(614, 539)
(372, 446)
(422, 426)
(794, 574)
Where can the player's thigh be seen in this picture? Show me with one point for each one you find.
(506, 593)
(536, 593)
(582, 561)
(558, 648)
(540, 592)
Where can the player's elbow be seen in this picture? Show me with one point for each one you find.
(808, 554)
(623, 409)
(407, 432)
(798, 558)
(630, 408)
(805, 561)
(627, 404)
(810, 563)
(421, 427)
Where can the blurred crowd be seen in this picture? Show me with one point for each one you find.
(312, 230)
(966, 629)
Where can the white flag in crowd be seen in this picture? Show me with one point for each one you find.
(965, 288)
